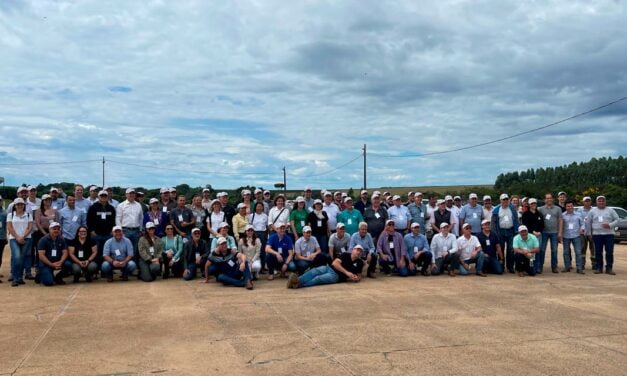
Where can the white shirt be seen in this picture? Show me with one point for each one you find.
(259, 221)
(276, 216)
(430, 211)
(216, 219)
(20, 223)
(332, 211)
(400, 215)
(441, 244)
(467, 246)
(455, 218)
(129, 214)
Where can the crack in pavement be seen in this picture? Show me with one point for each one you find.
(43, 335)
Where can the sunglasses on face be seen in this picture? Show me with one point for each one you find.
(151, 229)
(169, 228)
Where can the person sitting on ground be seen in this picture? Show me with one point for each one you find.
(418, 251)
(223, 231)
(307, 252)
(195, 253)
(469, 252)
(172, 254)
(250, 245)
(118, 254)
(392, 251)
(347, 267)
(444, 249)
(150, 253)
(231, 268)
(83, 252)
(492, 252)
(369, 255)
(339, 241)
(53, 256)
(526, 247)
(279, 252)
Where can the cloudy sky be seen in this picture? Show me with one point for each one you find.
(209, 92)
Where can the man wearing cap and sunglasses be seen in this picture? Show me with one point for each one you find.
(53, 256)
(183, 219)
(442, 215)
(195, 253)
(118, 254)
(470, 252)
(346, 268)
(100, 222)
(339, 241)
(206, 199)
(400, 215)
(444, 249)
(93, 194)
(309, 201)
(57, 202)
(601, 224)
(472, 213)
(392, 251)
(418, 252)
(505, 224)
(259, 198)
(418, 212)
(493, 254)
(332, 210)
(369, 254)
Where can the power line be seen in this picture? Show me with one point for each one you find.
(188, 171)
(360, 155)
(49, 163)
(507, 137)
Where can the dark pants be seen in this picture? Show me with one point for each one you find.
(523, 264)
(274, 264)
(236, 278)
(585, 244)
(47, 276)
(506, 237)
(100, 241)
(491, 264)
(423, 261)
(263, 238)
(176, 269)
(604, 242)
(386, 265)
(323, 241)
(88, 272)
(148, 271)
(192, 267)
(452, 260)
(3, 243)
(319, 260)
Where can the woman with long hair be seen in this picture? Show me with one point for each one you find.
(172, 253)
(19, 227)
(150, 250)
(83, 252)
(250, 245)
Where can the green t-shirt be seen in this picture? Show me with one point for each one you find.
(350, 220)
(531, 243)
(300, 219)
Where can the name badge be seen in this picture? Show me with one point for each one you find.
(506, 218)
(53, 253)
(487, 242)
(355, 265)
(601, 219)
(152, 250)
(81, 254)
(377, 215)
(180, 217)
(319, 223)
(422, 215)
(75, 218)
(445, 249)
(415, 249)
(349, 221)
(548, 216)
(54, 207)
(197, 255)
(117, 252)
(474, 215)
(156, 221)
(165, 209)
(198, 219)
(185, 240)
(391, 245)
(0, 224)
(103, 216)
(343, 249)
(231, 263)
(280, 250)
(302, 223)
(571, 226)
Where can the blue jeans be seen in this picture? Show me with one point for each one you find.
(19, 253)
(237, 278)
(107, 269)
(47, 276)
(577, 246)
(506, 237)
(133, 236)
(523, 264)
(539, 261)
(323, 241)
(322, 275)
(600, 242)
(100, 241)
(491, 264)
(273, 264)
(478, 261)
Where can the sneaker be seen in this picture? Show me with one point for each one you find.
(565, 270)
(598, 271)
(21, 282)
(29, 277)
(482, 274)
(292, 281)
(580, 271)
(271, 277)
(249, 285)
(610, 272)
(371, 275)
(554, 270)
(14, 284)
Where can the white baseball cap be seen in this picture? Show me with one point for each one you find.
(164, 190)
(317, 201)
(358, 246)
(504, 196)
(466, 225)
(153, 201)
(418, 194)
(472, 195)
(522, 228)
(532, 201)
(485, 221)
(389, 221)
(487, 197)
(280, 224)
(448, 198)
(306, 229)
(222, 194)
(443, 224)
(340, 225)
(561, 193)
(45, 196)
(103, 193)
(54, 224)
(222, 225)
(348, 198)
(587, 198)
(150, 225)
(22, 189)
(172, 190)
(439, 202)
(117, 228)
(18, 200)
(195, 229)
(396, 197)
(206, 190)
(130, 190)
(245, 192)
(241, 205)
(307, 189)
(327, 193)
(300, 199)
(258, 191)
(249, 227)
(93, 188)
(415, 224)
(54, 189)
(363, 191)
(266, 192)
(221, 240)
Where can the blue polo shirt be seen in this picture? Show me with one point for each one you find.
(53, 248)
(415, 244)
(281, 245)
(118, 250)
(472, 216)
(488, 244)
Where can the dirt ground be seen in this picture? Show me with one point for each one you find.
(551, 324)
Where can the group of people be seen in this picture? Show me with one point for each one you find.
(316, 241)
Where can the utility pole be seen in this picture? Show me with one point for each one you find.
(284, 180)
(365, 187)
(103, 172)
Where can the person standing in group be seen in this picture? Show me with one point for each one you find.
(215, 217)
(70, 218)
(309, 200)
(195, 253)
(505, 225)
(81, 203)
(332, 210)
(338, 241)
(319, 223)
(166, 203)
(93, 194)
(561, 200)
(150, 254)
(182, 218)
(400, 215)
(44, 215)
(19, 228)
(259, 220)
(573, 227)
(240, 220)
(82, 252)
(247, 201)
(418, 212)
(442, 215)
(250, 245)
(100, 222)
(298, 218)
(487, 207)
(200, 215)
(206, 199)
(268, 201)
(156, 216)
(363, 202)
(552, 216)
(601, 223)
(140, 199)
(278, 214)
(533, 219)
(586, 238)
(57, 202)
(259, 198)
(455, 228)
(172, 253)
(350, 217)
(3, 232)
(227, 208)
(129, 216)
(472, 213)
(112, 200)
